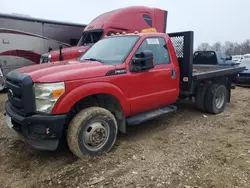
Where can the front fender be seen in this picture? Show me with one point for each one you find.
(66, 102)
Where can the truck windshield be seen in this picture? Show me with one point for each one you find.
(112, 50)
(90, 37)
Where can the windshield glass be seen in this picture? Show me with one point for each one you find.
(90, 37)
(112, 50)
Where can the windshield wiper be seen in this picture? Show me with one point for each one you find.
(94, 59)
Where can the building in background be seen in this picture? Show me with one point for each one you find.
(23, 39)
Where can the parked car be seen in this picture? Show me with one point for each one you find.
(243, 78)
(237, 58)
(247, 57)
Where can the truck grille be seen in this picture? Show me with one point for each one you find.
(20, 93)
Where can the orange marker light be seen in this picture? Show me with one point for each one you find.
(112, 34)
(149, 30)
(57, 93)
(185, 79)
(117, 33)
(136, 32)
(124, 33)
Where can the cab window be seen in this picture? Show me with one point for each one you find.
(90, 37)
(157, 46)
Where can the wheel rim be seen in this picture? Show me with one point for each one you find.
(96, 135)
(219, 99)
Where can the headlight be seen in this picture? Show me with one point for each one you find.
(47, 94)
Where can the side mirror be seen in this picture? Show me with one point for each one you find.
(142, 61)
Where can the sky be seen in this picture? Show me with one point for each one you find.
(211, 20)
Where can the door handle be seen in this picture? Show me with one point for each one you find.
(173, 74)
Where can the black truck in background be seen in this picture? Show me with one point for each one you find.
(213, 58)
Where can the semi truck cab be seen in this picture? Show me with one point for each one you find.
(121, 80)
(129, 19)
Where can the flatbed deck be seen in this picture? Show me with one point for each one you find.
(201, 72)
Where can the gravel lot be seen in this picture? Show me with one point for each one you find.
(187, 149)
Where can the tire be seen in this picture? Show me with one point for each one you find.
(92, 132)
(200, 97)
(216, 98)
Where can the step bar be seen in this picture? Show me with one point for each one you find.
(152, 114)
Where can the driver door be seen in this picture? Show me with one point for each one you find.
(155, 87)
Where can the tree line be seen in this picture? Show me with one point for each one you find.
(230, 48)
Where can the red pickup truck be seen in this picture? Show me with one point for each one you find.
(121, 80)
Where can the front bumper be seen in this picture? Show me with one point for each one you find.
(41, 132)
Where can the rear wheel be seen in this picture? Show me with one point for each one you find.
(216, 98)
(201, 95)
(92, 132)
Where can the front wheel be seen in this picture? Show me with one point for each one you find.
(92, 132)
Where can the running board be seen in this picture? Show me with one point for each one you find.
(145, 116)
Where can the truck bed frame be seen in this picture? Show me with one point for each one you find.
(192, 74)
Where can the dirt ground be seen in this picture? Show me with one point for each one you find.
(187, 149)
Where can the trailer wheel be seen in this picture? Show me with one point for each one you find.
(92, 132)
(216, 98)
(200, 96)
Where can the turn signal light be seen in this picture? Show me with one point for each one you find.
(57, 93)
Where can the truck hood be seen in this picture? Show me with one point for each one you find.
(68, 50)
(65, 71)
(70, 53)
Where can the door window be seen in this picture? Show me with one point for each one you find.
(157, 46)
